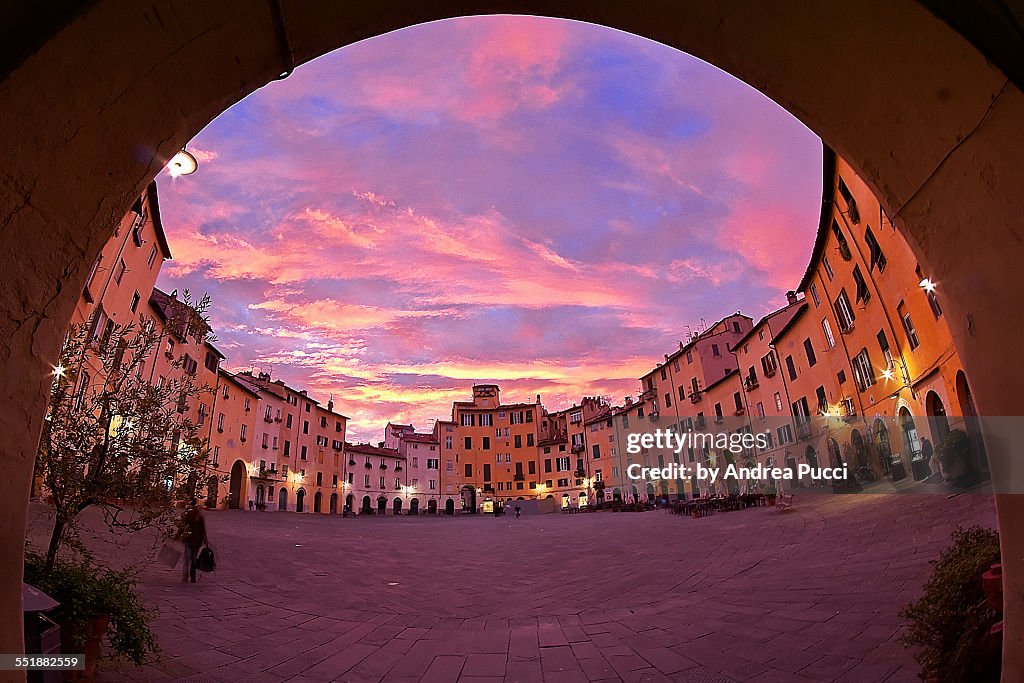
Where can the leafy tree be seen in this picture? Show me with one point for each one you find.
(114, 439)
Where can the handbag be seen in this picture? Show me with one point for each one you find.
(170, 553)
(206, 562)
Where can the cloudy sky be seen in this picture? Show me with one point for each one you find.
(544, 204)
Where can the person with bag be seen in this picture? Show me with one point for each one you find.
(193, 535)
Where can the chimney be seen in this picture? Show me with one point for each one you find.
(538, 399)
(330, 405)
(791, 297)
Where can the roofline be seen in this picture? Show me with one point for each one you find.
(734, 371)
(762, 321)
(828, 173)
(789, 324)
(702, 336)
(241, 384)
(158, 224)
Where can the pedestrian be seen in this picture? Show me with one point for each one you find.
(519, 511)
(193, 535)
(926, 452)
(252, 504)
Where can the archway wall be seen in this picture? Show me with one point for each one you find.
(89, 118)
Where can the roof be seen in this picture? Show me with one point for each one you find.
(241, 384)
(763, 320)
(792, 321)
(158, 224)
(828, 171)
(418, 438)
(727, 375)
(168, 307)
(370, 449)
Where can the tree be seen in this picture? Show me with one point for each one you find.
(115, 440)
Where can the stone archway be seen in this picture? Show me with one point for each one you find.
(449, 507)
(396, 506)
(334, 504)
(282, 500)
(939, 144)
(300, 500)
(317, 502)
(212, 486)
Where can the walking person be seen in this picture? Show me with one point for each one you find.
(519, 511)
(193, 536)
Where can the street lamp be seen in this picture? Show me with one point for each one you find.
(182, 163)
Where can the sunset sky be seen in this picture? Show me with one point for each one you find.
(539, 203)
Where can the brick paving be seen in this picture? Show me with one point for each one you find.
(810, 595)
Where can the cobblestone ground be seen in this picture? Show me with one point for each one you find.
(812, 594)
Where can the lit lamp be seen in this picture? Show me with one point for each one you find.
(927, 285)
(182, 163)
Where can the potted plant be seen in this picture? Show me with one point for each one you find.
(952, 454)
(95, 602)
(951, 623)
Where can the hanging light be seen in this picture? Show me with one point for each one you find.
(58, 370)
(182, 163)
(927, 285)
(887, 373)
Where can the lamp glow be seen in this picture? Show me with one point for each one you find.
(58, 370)
(182, 163)
(887, 373)
(927, 285)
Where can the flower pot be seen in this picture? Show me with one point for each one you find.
(95, 629)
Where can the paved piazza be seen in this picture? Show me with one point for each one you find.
(806, 595)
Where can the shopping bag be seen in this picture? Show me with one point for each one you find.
(206, 562)
(170, 554)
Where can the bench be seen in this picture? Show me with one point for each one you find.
(784, 502)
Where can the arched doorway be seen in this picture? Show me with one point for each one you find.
(565, 500)
(432, 506)
(616, 495)
(261, 497)
(350, 501)
(915, 127)
(317, 501)
(282, 500)
(212, 484)
(811, 456)
(449, 507)
(236, 485)
(396, 506)
(469, 499)
(835, 456)
(300, 500)
(791, 465)
(366, 509)
(414, 506)
(650, 491)
(937, 419)
(911, 443)
(382, 505)
(334, 503)
(979, 461)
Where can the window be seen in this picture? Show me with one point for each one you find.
(448, 442)
(813, 289)
(714, 351)
(768, 364)
(877, 257)
(596, 451)
(529, 416)
(152, 257)
(305, 426)
(668, 400)
(247, 405)
(216, 455)
(469, 470)
(760, 409)
(383, 482)
(486, 420)
(562, 464)
(366, 481)
(778, 402)
(828, 268)
(433, 484)
(211, 361)
(241, 433)
(844, 313)
(287, 448)
(529, 439)
(433, 463)
(735, 326)
(486, 443)
(790, 367)
(809, 350)
(737, 400)
(682, 393)
(863, 373)
(516, 418)
(319, 478)
(844, 247)
(189, 364)
(841, 376)
(468, 442)
(908, 326)
(220, 422)
(675, 365)
(663, 374)
(933, 301)
(862, 287)
(120, 270)
(883, 345)
(689, 357)
(135, 302)
(518, 441)
(830, 341)
(302, 453)
(785, 434)
(822, 401)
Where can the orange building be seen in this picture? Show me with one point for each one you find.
(496, 447)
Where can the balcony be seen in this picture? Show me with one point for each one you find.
(653, 416)
(267, 418)
(383, 465)
(579, 474)
(263, 446)
(268, 473)
(368, 466)
(578, 448)
(750, 383)
(696, 397)
(351, 463)
(700, 422)
(770, 372)
(719, 419)
(740, 411)
(277, 419)
(648, 394)
(398, 468)
(803, 431)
